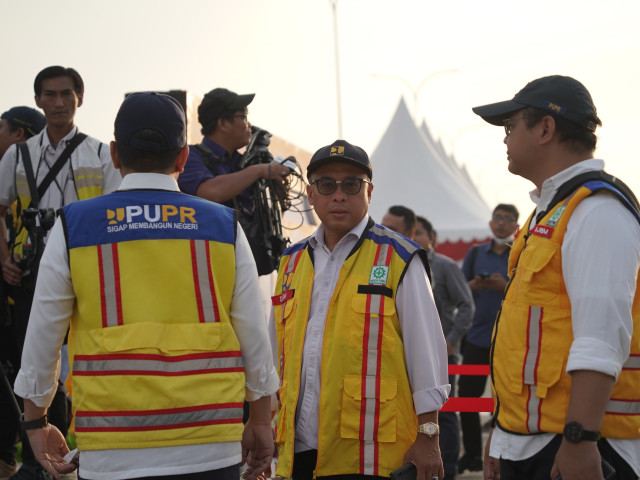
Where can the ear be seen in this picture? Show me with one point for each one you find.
(222, 125)
(80, 98)
(37, 99)
(548, 128)
(182, 159)
(115, 157)
(369, 190)
(19, 135)
(310, 195)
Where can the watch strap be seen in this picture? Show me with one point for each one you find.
(33, 424)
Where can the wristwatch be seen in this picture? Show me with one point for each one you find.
(574, 433)
(33, 424)
(430, 429)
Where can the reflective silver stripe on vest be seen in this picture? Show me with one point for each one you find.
(110, 294)
(533, 410)
(632, 363)
(371, 375)
(204, 282)
(151, 366)
(533, 346)
(623, 407)
(158, 419)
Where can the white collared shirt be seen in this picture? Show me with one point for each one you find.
(600, 261)
(37, 379)
(418, 318)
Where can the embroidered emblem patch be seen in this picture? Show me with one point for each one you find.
(542, 231)
(553, 221)
(379, 275)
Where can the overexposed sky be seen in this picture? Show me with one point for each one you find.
(283, 51)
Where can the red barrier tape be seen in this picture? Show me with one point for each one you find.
(469, 369)
(468, 404)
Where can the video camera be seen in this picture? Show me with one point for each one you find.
(264, 229)
(37, 222)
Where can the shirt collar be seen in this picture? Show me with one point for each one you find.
(45, 142)
(552, 184)
(156, 181)
(317, 238)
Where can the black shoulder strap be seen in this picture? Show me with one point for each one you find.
(209, 158)
(28, 170)
(472, 259)
(573, 184)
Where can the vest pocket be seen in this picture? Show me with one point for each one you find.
(166, 338)
(377, 308)
(539, 257)
(369, 410)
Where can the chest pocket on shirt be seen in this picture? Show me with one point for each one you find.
(369, 314)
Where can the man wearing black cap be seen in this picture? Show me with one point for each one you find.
(164, 346)
(566, 345)
(212, 170)
(16, 125)
(356, 338)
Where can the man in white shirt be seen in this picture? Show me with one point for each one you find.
(85, 172)
(566, 344)
(166, 339)
(357, 338)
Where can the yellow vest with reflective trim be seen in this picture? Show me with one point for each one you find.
(353, 439)
(87, 176)
(152, 366)
(533, 336)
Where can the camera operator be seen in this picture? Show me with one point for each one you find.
(16, 125)
(214, 169)
(53, 168)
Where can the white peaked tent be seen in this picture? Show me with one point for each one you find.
(410, 168)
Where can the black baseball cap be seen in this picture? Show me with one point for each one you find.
(340, 151)
(218, 102)
(563, 96)
(151, 111)
(26, 117)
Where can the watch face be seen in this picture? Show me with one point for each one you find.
(430, 429)
(573, 432)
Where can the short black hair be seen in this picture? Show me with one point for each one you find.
(579, 139)
(408, 216)
(426, 224)
(146, 161)
(507, 207)
(55, 72)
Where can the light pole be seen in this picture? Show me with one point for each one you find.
(415, 92)
(334, 8)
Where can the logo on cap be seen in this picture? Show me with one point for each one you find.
(337, 151)
(554, 107)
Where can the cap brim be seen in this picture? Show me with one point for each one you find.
(497, 113)
(242, 101)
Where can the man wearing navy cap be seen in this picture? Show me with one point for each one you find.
(356, 337)
(565, 354)
(166, 338)
(16, 125)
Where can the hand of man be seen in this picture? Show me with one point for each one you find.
(11, 272)
(577, 461)
(496, 282)
(49, 447)
(425, 455)
(257, 450)
(491, 464)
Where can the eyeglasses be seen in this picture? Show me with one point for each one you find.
(244, 116)
(350, 185)
(508, 126)
(503, 219)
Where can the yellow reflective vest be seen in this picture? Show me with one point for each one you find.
(155, 360)
(533, 335)
(367, 420)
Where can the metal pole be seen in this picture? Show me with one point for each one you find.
(334, 4)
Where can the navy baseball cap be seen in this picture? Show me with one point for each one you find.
(26, 117)
(563, 96)
(151, 111)
(218, 102)
(340, 151)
